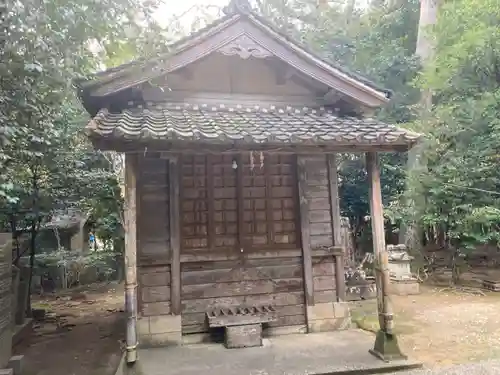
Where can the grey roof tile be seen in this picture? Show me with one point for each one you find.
(228, 124)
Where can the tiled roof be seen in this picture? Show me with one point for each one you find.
(251, 124)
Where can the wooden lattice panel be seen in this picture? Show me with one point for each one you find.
(225, 206)
(194, 205)
(252, 206)
(283, 198)
(256, 216)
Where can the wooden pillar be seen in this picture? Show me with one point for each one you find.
(386, 345)
(240, 204)
(175, 234)
(336, 225)
(305, 232)
(130, 218)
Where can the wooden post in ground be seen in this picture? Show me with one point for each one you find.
(130, 216)
(386, 344)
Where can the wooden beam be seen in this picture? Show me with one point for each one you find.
(305, 231)
(202, 255)
(336, 224)
(269, 200)
(240, 202)
(376, 207)
(386, 345)
(209, 171)
(175, 233)
(198, 148)
(130, 222)
(377, 223)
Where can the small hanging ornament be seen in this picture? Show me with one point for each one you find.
(261, 160)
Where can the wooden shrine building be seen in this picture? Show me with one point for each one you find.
(230, 148)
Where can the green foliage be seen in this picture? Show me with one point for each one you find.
(46, 162)
(68, 267)
(462, 179)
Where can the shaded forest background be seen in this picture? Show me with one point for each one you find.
(451, 196)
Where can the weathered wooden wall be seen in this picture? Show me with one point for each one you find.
(317, 193)
(275, 281)
(237, 225)
(224, 78)
(153, 236)
(240, 238)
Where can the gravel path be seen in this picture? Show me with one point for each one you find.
(480, 368)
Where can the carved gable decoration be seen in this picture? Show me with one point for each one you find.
(244, 47)
(240, 33)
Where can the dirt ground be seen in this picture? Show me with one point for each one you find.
(441, 327)
(81, 336)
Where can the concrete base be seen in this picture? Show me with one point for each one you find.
(404, 287)
(5, 346)
(245, 336)
(341, 352)
(330, 316)
(16, 363)
(161, 330)
(386, 348)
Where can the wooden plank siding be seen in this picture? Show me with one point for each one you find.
(153, 209)
(154, 286)
(153, 236)
(319, 219)
(262, 281)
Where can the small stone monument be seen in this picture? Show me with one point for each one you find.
(402, 281)
(359, 286)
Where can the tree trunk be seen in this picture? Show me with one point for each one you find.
(425, 44)
(412, 233)
(349, 11)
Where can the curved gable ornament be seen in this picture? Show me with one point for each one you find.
(244, 47)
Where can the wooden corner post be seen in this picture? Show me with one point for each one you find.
(130, 222)
(305, 232)
(175, 235)
(386, 344)
(336, 225)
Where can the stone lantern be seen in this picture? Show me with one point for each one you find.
(402, 280)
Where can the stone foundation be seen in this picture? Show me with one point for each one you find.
(161, 330)
(364, 291)
(404, 287)
(491, 285)
(330, 316)
(245, 336)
